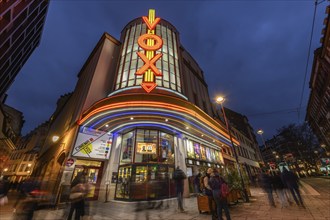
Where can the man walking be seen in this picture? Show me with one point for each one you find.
(179, 177)
(291, 181)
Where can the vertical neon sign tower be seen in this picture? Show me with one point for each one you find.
(150, 42)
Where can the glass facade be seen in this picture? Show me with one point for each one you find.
(130, 62)
(146, 165)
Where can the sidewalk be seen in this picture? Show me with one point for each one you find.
(257, 209)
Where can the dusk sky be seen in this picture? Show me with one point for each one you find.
(252, 52)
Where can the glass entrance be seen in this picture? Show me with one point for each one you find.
(94, 175)
(145, 182)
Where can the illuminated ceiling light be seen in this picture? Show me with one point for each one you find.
(202, 135)
(29, 165)
(55, 138)
(187, 127)
(28, 171)
(131, 118)
(166, 119)
(106, 125)
(6, 169)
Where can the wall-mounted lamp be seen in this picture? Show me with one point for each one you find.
(55, 138)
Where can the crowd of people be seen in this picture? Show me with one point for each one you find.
(211, 184)
(284, 184)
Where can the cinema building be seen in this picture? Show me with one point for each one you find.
(140, 108)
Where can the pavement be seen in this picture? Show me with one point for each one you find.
(317, 207)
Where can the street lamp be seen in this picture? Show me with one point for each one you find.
(220, 100)
(260, 132)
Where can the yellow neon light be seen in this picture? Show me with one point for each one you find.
(153, 42)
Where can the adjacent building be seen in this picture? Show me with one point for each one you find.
(11, 123)
(248, 151)
(22, 159)
(21, 25)
(318, 109)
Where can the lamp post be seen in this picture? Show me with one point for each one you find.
(220, 100)
(260, 132)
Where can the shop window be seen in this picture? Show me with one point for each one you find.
(190, 150)
(197, 151)
(123, 188)
(203, 153)
(166, 150)
(127, 147)
(208, 154)
(146, 146)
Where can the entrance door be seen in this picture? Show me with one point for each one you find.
(94, 176)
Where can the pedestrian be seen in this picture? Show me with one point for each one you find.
(27, 202)
(197, 185)
(207, 190)
(216, 183)
(179, 177)
(278, 186)
(265, 184)
(4, 188)
(291, 181)
(79, 190)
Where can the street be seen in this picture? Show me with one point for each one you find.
(315, 192)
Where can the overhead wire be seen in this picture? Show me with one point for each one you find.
(289, 110)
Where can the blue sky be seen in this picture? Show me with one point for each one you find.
(252, 52)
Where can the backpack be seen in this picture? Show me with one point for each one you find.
(214, 183)
(224, 190)
(179, 175)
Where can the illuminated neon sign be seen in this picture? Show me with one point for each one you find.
(150, 43)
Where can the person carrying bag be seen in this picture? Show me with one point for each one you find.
(78, 193)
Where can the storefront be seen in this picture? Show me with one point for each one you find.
(146, 165)
(94, 175)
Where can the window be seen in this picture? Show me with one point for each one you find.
(190, 150)
(197, 151)
(146, 146)
(130, 62)
(22, 167)
(166, 149)
(127, 147)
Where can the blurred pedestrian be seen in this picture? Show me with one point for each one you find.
(4, 188)
(265, 184)
(208, 192)
(179, 177)
(79, 190)
(28, 199)
(216, 183)
(278, 186)
(197, 185)
(291, 181)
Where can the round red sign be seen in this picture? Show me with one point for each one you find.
(69, 162)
